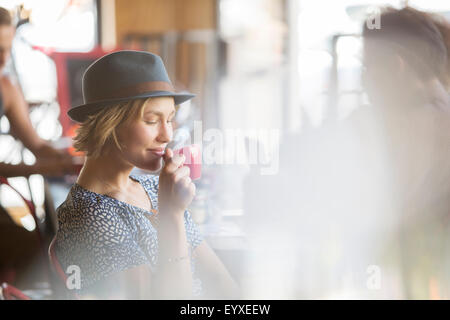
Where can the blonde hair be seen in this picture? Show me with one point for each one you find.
(101, 128)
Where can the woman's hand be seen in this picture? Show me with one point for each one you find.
(176, 189)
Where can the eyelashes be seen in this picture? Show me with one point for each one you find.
(156, 122)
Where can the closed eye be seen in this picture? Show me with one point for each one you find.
(155, 122)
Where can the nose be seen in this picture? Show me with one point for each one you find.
(165, 133)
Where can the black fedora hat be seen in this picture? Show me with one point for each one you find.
(121, 76)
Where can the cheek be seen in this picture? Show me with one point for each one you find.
(140, 137)
(136, 139)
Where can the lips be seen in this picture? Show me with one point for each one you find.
(157, 151)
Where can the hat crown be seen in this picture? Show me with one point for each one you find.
(124, 76)
(120, 70)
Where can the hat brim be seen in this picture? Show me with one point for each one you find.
(80, 113)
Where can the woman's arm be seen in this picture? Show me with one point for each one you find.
(56, 163)
(139, 283)
(49, 167)
(16, 109)
(216, 279)
(15, 170)
(173, 279)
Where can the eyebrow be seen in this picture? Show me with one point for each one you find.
(158, 113)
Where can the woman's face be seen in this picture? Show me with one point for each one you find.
(144, 139)
(380, 75)
(388, 77)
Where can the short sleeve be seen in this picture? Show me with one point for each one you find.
(193, 233)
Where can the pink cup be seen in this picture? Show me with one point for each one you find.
(193, 160)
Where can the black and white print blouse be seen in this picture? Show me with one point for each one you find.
(103, 236)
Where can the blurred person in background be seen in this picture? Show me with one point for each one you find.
(49, 161)
(17, 245)
(371, 192)
(406, 78)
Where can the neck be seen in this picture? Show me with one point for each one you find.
(106, 173)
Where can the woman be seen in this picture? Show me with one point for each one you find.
(50, 161)
(406, 74)
(134, 230)
(20, 248)
(407, 78)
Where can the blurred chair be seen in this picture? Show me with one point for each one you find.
(39, 237)
(31, 207)
(59, 270)
(10, 292)
(29, 204)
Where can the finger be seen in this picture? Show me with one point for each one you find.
(174, 163)
(186, 181)
(179, 160)
(181, 173)
(168, 154)
(192, 188)
(185, 187)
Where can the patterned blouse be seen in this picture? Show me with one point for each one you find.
(103, 236)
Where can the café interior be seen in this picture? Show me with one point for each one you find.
(306, 190)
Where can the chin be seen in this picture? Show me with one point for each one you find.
(154, 165)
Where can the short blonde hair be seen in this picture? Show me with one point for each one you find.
(101, 128)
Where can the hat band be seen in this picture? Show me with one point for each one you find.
(138, 89)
